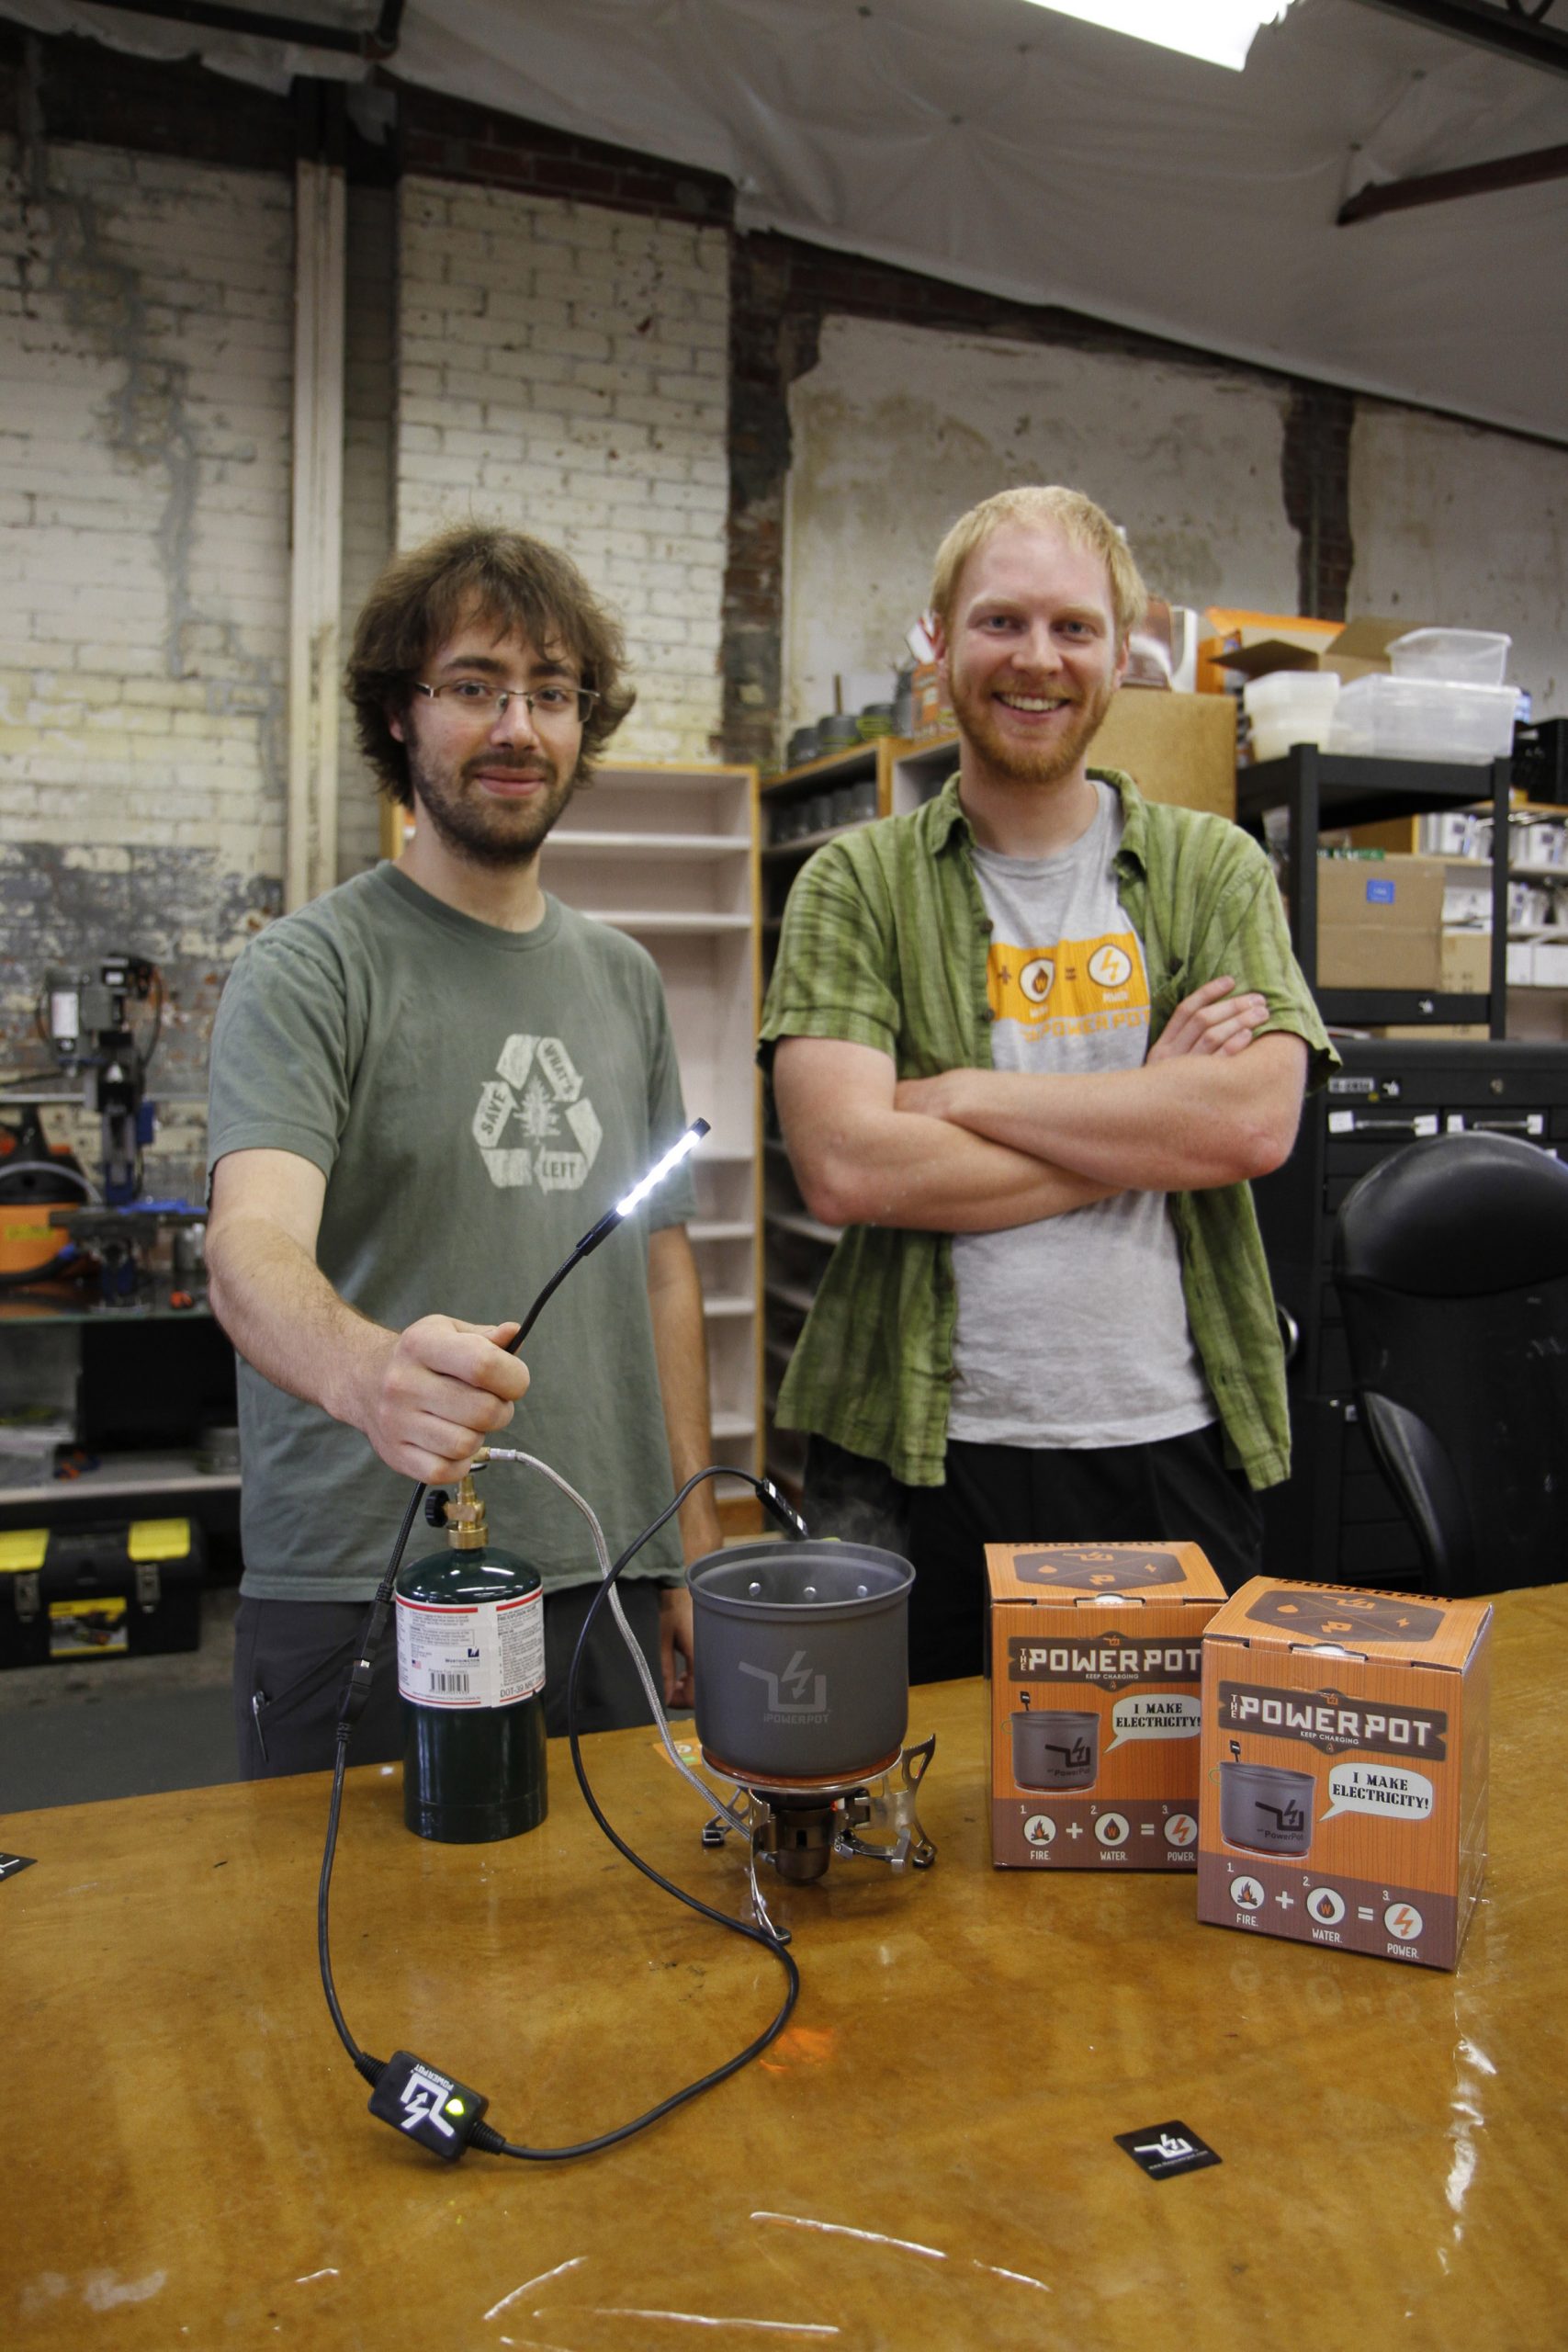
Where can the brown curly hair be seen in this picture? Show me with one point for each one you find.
(501, 577)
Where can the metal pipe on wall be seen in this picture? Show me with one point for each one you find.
(315, 588)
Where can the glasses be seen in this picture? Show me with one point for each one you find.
(476, 698)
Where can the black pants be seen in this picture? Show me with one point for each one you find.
(1178, 1490)
(291, 1658)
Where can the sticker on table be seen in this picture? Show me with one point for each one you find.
(11, 1863)
(1165, 2149)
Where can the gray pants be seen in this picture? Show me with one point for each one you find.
(291, 1658)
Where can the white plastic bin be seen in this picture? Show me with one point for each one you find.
(1422, 719)
(1289, 706)
(1462, 657)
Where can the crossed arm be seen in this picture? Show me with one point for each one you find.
(429, 1396)
(974, 1151)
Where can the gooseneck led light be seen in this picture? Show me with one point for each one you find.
(677, 1152)
(417, 2098)
(603, 1230)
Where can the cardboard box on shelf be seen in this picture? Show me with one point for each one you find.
(1232, 632)
(1094, 1661)
(1380, 922)
(1176, 747)
(1466, 967)
(1344, 1763)
(1352, 650)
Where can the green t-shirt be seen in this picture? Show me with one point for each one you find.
(476, 1098)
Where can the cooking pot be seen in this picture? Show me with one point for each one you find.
(801, 1659)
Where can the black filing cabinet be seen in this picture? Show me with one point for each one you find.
(1336, 1517)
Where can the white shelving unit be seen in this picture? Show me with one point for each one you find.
(669, 853)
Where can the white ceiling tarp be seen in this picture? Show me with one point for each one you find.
(1007, 147)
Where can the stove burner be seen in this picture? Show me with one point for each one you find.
(799, 1825)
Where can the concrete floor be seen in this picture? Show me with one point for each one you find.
(121, 1726)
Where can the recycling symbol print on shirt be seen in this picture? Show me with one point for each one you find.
(534, 1125)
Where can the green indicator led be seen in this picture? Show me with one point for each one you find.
(453, 2107)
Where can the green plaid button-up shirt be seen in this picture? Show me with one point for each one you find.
(884, 944)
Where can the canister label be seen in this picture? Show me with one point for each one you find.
(488, 1654)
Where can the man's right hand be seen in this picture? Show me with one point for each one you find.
(432, 1395)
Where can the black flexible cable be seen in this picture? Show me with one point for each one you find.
(356, 1691)
(485, 2135)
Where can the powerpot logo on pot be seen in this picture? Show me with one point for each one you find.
(796, 1690)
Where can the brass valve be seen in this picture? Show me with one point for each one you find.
(462, 1514)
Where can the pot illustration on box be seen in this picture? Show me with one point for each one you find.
(1266, 1811)
(1105, 1568)
(1055, 1748)
(1331, 1616)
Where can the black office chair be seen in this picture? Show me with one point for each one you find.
(1452, 1260)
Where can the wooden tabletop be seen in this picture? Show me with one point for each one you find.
(927, 2160)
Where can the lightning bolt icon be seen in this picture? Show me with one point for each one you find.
(1402, 1921)
(797, 1675)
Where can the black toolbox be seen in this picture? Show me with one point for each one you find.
(125, 1590)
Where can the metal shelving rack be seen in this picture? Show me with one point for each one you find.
(1318, 788)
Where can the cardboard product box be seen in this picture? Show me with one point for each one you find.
(1175, 747)
(1380, 922)
(1343, 1768)
(1095, 1655)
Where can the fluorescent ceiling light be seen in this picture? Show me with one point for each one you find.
(1219, 31)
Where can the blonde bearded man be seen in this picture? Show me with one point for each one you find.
(1028, 1046)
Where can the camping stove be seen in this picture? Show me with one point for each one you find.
(799, 1825)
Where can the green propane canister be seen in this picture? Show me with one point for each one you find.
(471, 1674)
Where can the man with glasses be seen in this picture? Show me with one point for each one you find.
(426, 1086)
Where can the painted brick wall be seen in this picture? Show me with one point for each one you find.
(145, 430)
(1465, 527)
(897, 429)
(563, 367)
(369, 348)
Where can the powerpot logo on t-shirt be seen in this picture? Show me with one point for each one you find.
(1066, 991)
(534, 1125)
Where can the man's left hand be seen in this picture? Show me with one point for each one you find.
(675, 1644)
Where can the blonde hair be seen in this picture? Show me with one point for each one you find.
(1068, 511)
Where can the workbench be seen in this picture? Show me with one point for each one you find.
(927, 2158)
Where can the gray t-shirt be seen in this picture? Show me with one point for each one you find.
(477, 1099)
(1071, 1333)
